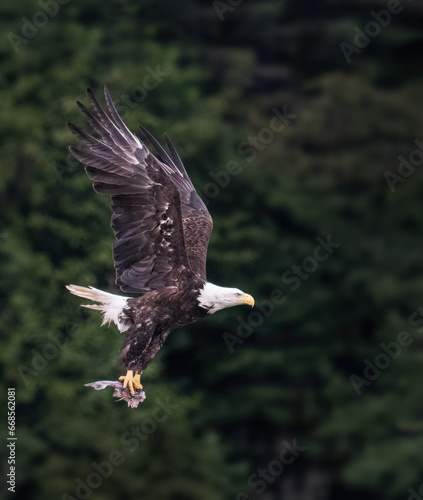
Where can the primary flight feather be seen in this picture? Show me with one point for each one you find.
(162, 230)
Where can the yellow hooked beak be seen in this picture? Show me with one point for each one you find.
(247, 299)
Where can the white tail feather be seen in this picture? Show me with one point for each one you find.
(111, 305)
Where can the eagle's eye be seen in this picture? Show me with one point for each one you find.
(238, 294)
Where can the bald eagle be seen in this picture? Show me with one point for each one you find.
(162, 230)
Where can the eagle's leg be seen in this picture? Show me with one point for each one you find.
(131, 381)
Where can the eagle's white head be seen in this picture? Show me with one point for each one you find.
(213, 298)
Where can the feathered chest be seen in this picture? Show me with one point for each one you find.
(168, 309)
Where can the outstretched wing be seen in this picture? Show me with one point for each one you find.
(196, 219)
(149, 251)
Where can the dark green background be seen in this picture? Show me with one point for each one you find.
(323, 174)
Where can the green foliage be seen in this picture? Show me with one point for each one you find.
(287, 376)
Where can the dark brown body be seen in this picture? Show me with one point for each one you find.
(151, 319)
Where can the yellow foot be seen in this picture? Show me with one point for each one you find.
(131, 381)
(137, 381)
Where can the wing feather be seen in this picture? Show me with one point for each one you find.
(196, 219)
(149, 251)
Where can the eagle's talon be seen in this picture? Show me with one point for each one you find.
(137, 381)
(131, 381)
